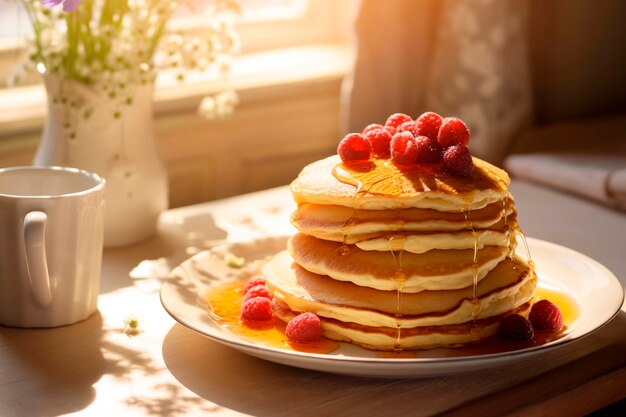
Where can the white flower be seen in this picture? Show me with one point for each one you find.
(226, 103)
(208, 108)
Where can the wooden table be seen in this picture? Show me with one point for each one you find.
(101, 367)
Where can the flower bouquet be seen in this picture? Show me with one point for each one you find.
(114, 45)
(99, 60)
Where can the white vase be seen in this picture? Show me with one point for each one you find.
(88, 129)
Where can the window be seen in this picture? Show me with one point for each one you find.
(13, 20)
(283, 42)
(263, 25)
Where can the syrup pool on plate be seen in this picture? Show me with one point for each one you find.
(224, 303)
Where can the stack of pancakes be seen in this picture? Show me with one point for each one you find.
(395, 259)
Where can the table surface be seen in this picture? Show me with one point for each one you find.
(101, 367)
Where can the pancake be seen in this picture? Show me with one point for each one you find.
(433, 270)
(334, 222)
(394, 339)
(425, 242)
(381, 185)
(506, 287)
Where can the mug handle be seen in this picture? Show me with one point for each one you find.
(36, 261)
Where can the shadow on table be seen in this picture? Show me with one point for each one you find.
(239, 382)
(52, 372)
(178, 238)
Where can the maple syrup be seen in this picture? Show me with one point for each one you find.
(224, 303)
(344, 250)
(396, 249)
(566, 303)
(384, 177)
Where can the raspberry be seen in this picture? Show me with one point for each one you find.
(457, 160)
(354, 147)
(257, 309)
(403, 148)
(391, 130)
(253, 282)
(379, 139)
(305, 327)
(453, 132)
(546, 316)
(397, 119)
(428, 150)
(257, 291)
(407, 127)
(428, 124)
(515, 327)
(371, 127)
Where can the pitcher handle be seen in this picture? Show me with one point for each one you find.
(36, 262)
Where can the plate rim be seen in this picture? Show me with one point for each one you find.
(249, 347)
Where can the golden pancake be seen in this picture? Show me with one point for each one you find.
(381, 185)
(390, 338)
(425, 242)
(410, 272)
(334, 222)
(509, 285)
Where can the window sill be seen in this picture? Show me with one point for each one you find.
(253, 76)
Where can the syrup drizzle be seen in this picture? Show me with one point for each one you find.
(531, 264)
(476, 305)
(507, 231)
(344, 249)
(396, 249)
(383, 177)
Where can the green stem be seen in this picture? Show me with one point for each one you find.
(161, 26)
(73, 29)
(88, 40)
(36, 28)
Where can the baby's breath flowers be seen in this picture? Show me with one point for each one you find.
(220, 105)
(112, 45)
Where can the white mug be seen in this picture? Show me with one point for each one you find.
(51, 231)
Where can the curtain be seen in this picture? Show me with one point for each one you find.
(463, 58)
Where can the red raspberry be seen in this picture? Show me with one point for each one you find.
(397, 119)
(253, 282)
(371, 127)
(305, 327)
(257, 291)
(546, 316)
(407, 127)
(403, 148)
(257, 309)
(457, 160)
(453, 132)
(428, 150)
(428, 124)
(354, 147)
(515, 327)
(392, 130)
(380, 140)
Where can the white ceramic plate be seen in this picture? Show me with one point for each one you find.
(596, 290)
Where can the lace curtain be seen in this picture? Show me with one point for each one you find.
(464, 58)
